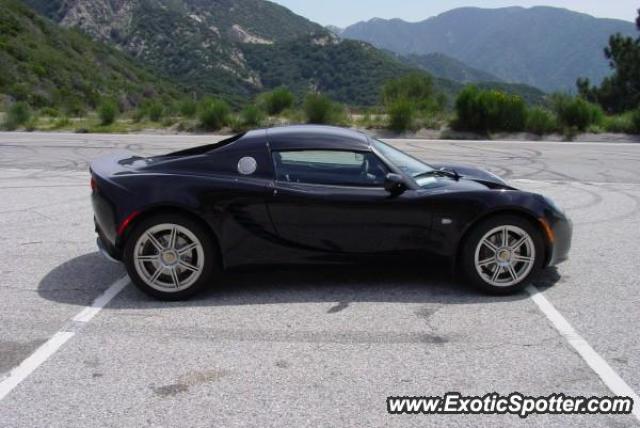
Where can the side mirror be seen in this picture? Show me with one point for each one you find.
(394, 183)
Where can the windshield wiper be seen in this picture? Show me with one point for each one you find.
(451, 173)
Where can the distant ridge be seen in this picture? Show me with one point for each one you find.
(541, 46)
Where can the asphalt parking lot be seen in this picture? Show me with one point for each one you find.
(308, 347)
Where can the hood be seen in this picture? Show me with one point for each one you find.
(479, 175)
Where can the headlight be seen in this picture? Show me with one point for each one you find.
(553, 204)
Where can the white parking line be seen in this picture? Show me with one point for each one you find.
(42, 354)
(598, 364)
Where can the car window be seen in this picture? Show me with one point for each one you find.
(330, 167)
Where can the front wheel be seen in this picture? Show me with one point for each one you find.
(170, 257)
(502, 254)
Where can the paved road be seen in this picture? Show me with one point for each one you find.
(304, 347)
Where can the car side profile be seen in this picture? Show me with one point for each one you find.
(314, 194)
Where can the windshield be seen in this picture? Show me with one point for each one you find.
(409, 165)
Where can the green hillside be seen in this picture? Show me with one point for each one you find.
(47, 65)
(443, 66)
(196, 42)
(347, 71)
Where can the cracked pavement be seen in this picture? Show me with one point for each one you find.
(304, 346)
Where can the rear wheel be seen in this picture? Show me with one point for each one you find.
(170, 256)
(502, 254)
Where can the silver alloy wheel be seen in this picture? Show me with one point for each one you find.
(169, 257)
(505, 256)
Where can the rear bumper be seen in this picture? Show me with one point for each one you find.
(106, 253)
(105, 226)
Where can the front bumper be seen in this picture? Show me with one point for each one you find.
(562, 229)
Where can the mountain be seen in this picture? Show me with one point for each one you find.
(443, 66)
(198, 42)
(238, 48)
(233, 48)
(540, 46)
(47, 65)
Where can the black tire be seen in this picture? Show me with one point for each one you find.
(473, 240)
(209, 269)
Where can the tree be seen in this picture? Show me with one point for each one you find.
(620, 91)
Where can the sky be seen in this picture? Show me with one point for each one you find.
(346, 12)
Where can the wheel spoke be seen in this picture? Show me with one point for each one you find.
(155, 276)
(519, 243)
(496, 274)
(486, 262)
(188, 248)
(505, 237)
(172, 238)
(512, 272)
(188, 266)
(154, 241)
(524, 259)
(174, 276)
(151, 258)
(490, 245)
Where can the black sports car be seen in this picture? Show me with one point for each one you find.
(314, 194)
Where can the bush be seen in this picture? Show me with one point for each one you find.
(107, 112)
(541, 121)
(320, 109)
(416, 87)
(187, 108)
(19, 114)
(213, 114)
(635, 121)
(278, 100)
(401, 115)
(576, 113)
(622, 123)
(251, 116)
(155, 110)
(61, 122)
(489, 111)
(50, 112)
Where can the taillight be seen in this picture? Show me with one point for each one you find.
(94, 185)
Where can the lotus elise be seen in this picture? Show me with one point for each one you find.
(314, 194)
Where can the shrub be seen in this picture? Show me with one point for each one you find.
(623, 123)
(541, 121)
(276, 101)
(74, 107)
(576, 112)
(635, 121)
(320, 109)
(251, 116)
(50, 112)
(61, 122)
(107, 112)
(155, 110)
(213, 114)
(489, 110)
(187, 108)
(416, 87)
(401, 115)
(19, 114)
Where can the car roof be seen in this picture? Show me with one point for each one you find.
(316, 137)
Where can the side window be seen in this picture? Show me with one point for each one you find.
(330, 167)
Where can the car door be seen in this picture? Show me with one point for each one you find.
(335, 201)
